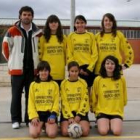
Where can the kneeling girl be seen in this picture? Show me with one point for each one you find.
(109, 96)
(43, 105)
(75, 101)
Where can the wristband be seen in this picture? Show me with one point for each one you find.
(52, 116)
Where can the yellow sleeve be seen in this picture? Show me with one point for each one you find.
(55, 107)
(41, 46)
(94, 54)
(69, 49)
(126, 49)
(124, 90)
(65, 47)
(94, 95)
(66, 111)
(84, 105)
(31, 103)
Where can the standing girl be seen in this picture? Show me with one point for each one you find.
(43, 105)
(52, 48)
(81, 47)
(112, 42)
(109, 96)
(75, 101)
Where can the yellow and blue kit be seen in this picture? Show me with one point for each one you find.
(43, 96)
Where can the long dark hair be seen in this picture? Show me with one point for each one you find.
(79, 17)
(47, 30)
(41, 66)
(117, 70)
(114, 28)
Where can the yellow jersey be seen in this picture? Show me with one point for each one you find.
(74, 97)
(43, 96)
(55, 53)
(82, 48)
(109, 45)
(109, 96)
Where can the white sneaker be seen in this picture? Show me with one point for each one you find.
(15, 125)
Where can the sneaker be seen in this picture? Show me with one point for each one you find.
(15, 125)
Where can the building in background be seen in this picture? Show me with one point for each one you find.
(130, 28)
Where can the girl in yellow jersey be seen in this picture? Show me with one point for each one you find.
(75, 101)
(112, 42)
(109, 96)
(81, 47)
(52, 48)
(43, 106)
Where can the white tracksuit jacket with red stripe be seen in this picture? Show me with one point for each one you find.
(13, 48)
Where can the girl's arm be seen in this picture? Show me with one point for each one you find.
(126, 49)
(69, 50)
(55, 107)
(41, 46)
(65, 48)
(94, 54)
(84, 105)
(31, 103)
(65, 105)
(124, 90)
(94, 95)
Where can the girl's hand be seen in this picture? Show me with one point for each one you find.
(85, 73)
(123, 67)
(35, 122)
(82, 72)
(77, 119)
(71, 120)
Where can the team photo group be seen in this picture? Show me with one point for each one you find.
(66, 77)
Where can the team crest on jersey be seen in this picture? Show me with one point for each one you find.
(86, 41)
(117, 85)
(74, 40)
(112, 39)
(36, 90)
(67, 90)
(101, 39)
(104, 86)
(49, 91)
(79, 89)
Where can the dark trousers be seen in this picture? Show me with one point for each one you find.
(18, 82)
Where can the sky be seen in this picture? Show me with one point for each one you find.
(91, 9)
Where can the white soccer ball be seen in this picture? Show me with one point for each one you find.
(74, 130)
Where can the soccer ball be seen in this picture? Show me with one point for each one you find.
(74, 130)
